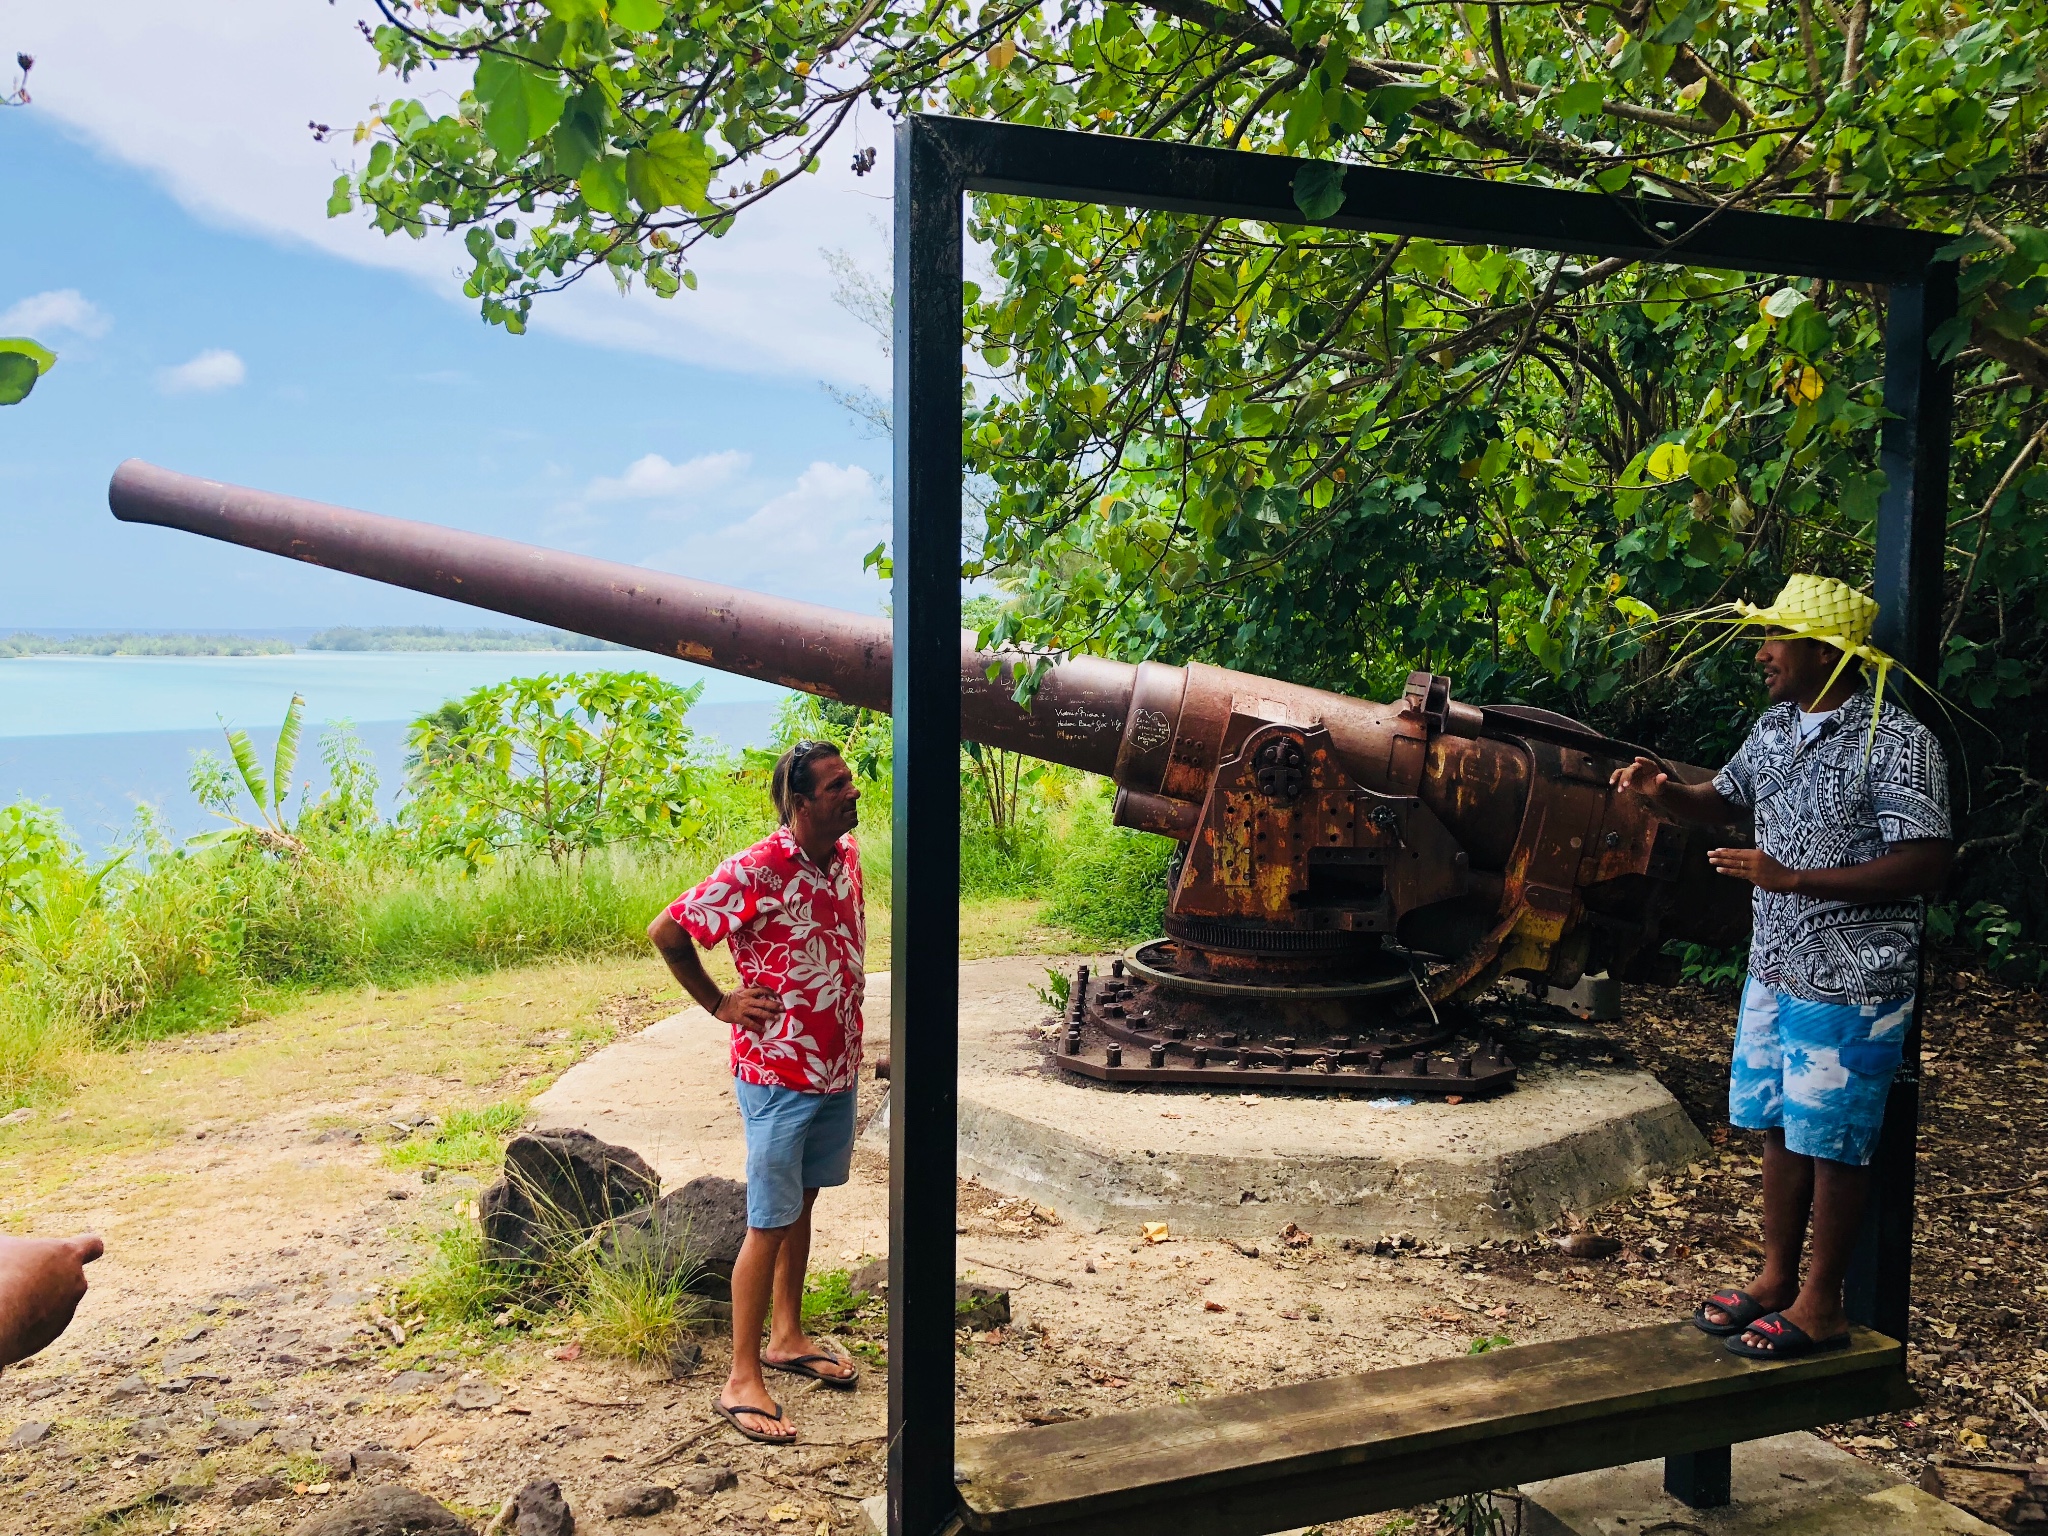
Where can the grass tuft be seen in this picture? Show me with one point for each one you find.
(465, 1138)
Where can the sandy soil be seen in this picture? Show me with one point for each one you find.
(236, 1330)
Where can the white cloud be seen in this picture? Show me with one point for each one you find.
(213, 369)
(214, 99)
(60, 309)
(653, 478)
(806, 542)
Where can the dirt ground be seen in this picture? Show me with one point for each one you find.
(240, 1328)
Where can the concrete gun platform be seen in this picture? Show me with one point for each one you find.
(1789, 1485)
(1223, 1164)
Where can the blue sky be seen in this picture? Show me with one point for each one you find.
(167, 238)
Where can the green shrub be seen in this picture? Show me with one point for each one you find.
(1111, 882)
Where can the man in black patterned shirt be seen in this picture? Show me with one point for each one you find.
(1850, 803)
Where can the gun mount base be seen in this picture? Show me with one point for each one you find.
(1155, 1020)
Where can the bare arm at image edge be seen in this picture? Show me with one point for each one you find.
(42, 1281)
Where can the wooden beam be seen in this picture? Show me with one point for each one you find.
(1352, 1445)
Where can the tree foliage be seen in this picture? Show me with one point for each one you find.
(1333, 457)
(554, 764)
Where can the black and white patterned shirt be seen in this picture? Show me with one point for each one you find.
(1821, 805)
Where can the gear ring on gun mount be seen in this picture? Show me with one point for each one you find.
(1168, 1019)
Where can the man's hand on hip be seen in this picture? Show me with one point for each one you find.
(1755, 866)
(751, 1008)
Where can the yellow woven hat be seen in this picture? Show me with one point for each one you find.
(1812, 608)
(1824, 609)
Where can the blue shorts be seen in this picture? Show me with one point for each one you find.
(1821, 1071)
(795, 1141)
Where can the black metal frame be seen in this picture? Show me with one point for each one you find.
(938, 161)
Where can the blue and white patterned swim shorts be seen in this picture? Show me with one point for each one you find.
(1820, 1070)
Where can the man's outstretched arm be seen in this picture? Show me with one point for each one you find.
(42, 1281)
(1688, 802)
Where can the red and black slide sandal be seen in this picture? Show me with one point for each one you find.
(1742, 1309)
(1788, 1341)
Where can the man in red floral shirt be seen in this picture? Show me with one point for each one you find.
(791, 906)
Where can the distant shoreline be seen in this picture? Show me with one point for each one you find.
(387, 637)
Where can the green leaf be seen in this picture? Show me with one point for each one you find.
(1614, 178)
(1783, 302)
(520, 104)
(35, 352)
(1582, 100)
(1806, 331)
(287, 758)
(245, 763)
(671, 170)
(603, 185)
(1668, 461)
(1388, 102)
(638, 15)
(580, 137)
(18, 375)
(341, 200)
(1709, 469)
(1861, 494)
(1372, 15)
(1319, 189)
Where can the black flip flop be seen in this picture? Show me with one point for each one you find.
(1792, 1341)
(732, 1416)
(807, 1365)
(1742, 1309)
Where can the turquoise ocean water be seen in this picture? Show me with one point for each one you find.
(95, 736)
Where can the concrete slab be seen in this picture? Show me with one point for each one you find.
(1788, 1485)
(1221, 1164)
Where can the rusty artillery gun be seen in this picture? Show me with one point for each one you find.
(1348, 870)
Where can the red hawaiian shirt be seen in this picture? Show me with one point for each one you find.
(801, 932)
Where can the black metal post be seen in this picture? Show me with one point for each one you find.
(1912, 523)
(924, 996)
(1700, 1479)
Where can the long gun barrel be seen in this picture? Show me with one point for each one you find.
(805, 646)
(1313, 823)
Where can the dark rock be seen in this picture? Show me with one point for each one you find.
(129, 1386)
(703, 1482)
(418, 1381)
(339, 1466)
(34, 1432)
(238, 1431)
(872, 1277)
(257, 1489)
(980, 1306)
(539, 1509)
(556, 1181)
(375, 1458)
(631, 1503)
(473, 1395)
(699, 1226)
(387, 1511)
